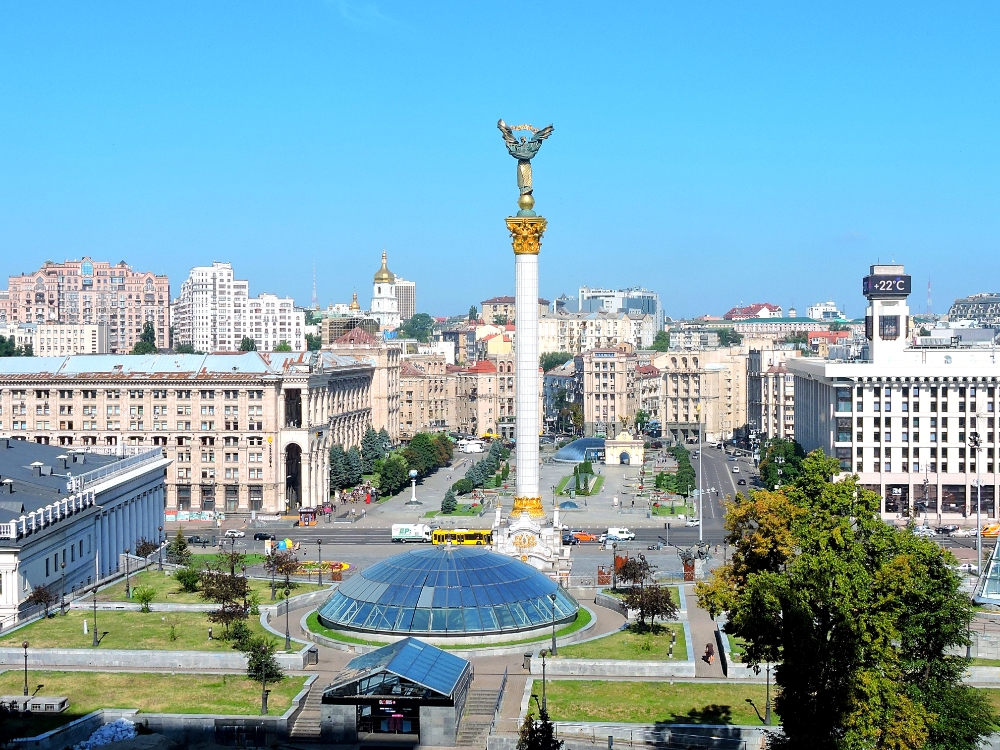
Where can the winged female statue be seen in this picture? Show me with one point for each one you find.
(523, 150)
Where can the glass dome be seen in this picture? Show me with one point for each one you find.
(580, 450)
(447, 590)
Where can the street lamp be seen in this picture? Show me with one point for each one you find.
(614, 566)
(413, 486)
(159, 550)
(767, 704)
(975, 444)
(319, 554)
(263, 681)
(25, 647)
(552, 596)
(288, 636)
(95, 614)
(128, 590)
(62, 594)
(543, 653)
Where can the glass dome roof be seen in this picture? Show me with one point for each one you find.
(580, 450)
(447, 590)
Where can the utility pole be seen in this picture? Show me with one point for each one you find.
(975, 444)
(701, 481)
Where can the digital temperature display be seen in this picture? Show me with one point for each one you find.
(886, 286)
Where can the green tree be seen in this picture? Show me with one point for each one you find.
(463, 486)
(500, 320)
(784, 456)
(147, 340)
(44, 596)
(283, 346)
(473, 312)
(177, 551)
(314, 342)
(858, 617)
(247, 344)
(553, 359)
(354, 470)
(450, 503)
(9, 348)
(223, 587)
(144, 595)
(261, 664)
(661, 342)
(538, 735)
(386, 442)
(729, 337)
(421, 454)
(641, 419)
(419, 327)
(184, 349)
(371, 450)
(394, 476)
(313, 318)
(651, 602)
(188, 579)
(339, 470)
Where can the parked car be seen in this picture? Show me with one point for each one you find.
(968, 568)
(198, 540)
(585, 536)
(234, 534)
(964, 532)
(924, 531)
(949, 528)
(742, 481)
(569, 539)
(732, 458)
(263, 536)
(693, 522)
(656, 445)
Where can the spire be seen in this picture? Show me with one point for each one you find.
(354, 302)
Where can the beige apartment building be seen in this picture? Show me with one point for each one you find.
(386, 358)
(771, 393)
(92, 292)
(579, 332)
(58, 339)
(504, 308)
(716, 379)
(427, 401)
(245, 431)
(609, 389)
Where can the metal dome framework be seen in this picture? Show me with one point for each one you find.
(447, 591)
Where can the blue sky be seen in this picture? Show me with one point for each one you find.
(717, 153)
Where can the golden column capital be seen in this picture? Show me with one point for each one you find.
(526, 233)
(533, 505)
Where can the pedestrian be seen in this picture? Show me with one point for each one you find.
(709, 653)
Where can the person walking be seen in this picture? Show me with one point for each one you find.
(709, 653)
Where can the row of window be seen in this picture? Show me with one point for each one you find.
(157, 393)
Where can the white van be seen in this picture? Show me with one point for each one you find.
(620, 533)
(473, 446)
(411, 532)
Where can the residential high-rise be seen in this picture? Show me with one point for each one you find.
(94, 293)
(406, 298)
(385, 306)
(632, 300)
(273, 320)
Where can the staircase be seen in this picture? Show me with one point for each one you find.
(306, 727)
(477, 717)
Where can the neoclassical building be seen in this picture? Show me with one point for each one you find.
(244, 431)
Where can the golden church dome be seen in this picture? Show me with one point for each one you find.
(384, 275)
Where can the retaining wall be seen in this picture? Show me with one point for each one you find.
(588, 735)
(601, 668)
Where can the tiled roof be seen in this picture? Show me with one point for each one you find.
(357, 335)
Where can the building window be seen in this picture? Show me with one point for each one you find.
(184, 497)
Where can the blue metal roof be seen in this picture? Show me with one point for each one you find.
(409, 659)
(579, 450)
(447, 590)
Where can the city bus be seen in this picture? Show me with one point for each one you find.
(462, 536)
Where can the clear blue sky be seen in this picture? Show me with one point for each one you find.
(718, 153)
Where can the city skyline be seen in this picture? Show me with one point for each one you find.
(754, 142)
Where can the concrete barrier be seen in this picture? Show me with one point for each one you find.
(618, 668)
(588, 735)
(124, 659)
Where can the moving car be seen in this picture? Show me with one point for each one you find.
(693, 522)
(924, 531)
(732, 458)
(620, 534)
(198, 540)
(964, 532)
(742, 481)
(736, 470)
(569, 539)
(584, 536)
(411, 532)
(967, 568)
(949, 528)
(263, 536)
(234, 534)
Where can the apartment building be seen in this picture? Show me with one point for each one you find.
(903, 420)
(273, 320)
(92, 293)
(649, 383)
(576, 333)
(561, 385)
(386, 359)
(634, 300)
(406, 298)
(771, 393)
(427, 401)
(55, 339)
(244, 431)
(504, 309)
(211, 312)
(609, 389)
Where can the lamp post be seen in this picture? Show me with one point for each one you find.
(543, 653)
(701, 481)
(25, 647)
(975, 443)
(128, 590)
(767, 704)
(288, 636)
(319, 554)
(273, 562)
(552, 596)
(614, 566)
(263, 681)
(413, 486)
(62, 594)
(159, 550)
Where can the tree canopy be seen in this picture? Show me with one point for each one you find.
(858, 617)
(729, 337)
(473, 312)
(419, 327)
(661, 342)
(553, 359)
(247, 344)
(780, 455)
(185, 349)
(283, 346)
(314, 342)
(147, 340)
(8, 348)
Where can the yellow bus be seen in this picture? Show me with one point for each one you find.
(462, 536)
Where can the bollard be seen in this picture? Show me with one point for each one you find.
(611, 741)
(209, 634)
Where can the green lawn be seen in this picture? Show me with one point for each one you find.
(127, 630)
(678, 509)
(463, 510)
(596, 482)
(581, 621)
(650, 702)
(620, 594)
(632, 646)
(150, 693)
(201, 559)
(169, 591)
(985, 663)
(736, 647)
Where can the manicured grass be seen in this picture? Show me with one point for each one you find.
(596, 482)
(985, 662)
(994, 695)
(620, 594)
(678, 509)
(150, 693)
(462, 510)
(632, 645)
(581, 621)
(201, 559)
(737, 646)
(651, 702)
(128, 630)
(169, 591)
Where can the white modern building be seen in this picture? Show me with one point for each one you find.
(67, 517)
(632, 300)
(211, 312)
(824, 311)
(385, 305)
(273, 320)
(406, 298)
(903, 420)
(55, 339)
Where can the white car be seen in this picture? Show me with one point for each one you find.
(964, 532)
(923, 531)
(693, 522)
(967, 568)
(234, 534)
(736, 470)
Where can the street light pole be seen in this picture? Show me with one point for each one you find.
(97, 564)
(543, 653)
(24, 645)
(62, 594)
(319, 554)
(288, 636)
(263, 682)
(128, 591)
(614, 566)
(552, 596)
(767, 705)
(159, 550)
(701, 481)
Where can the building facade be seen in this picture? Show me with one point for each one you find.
(273, 320)
(211, 311)
(902, 420)
(984, 308)
(576, 333)
(635, 301)
(93, 293)
(756, 310)
(67, 517)
(505, 309)
(771, 393)
(58, 339)
(406, 298)
(245, 431)
(386, 358)
(427, 401)
(385, 305)
(609, 389)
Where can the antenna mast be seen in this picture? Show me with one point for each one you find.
(928, 296)
(315, 300)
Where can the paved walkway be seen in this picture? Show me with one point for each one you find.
(702, 633)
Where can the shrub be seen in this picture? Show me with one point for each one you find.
(463, 487)
(144, 595)
(449, 504)
(188, 579)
